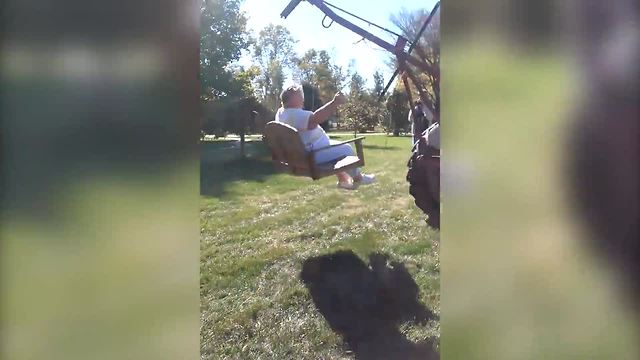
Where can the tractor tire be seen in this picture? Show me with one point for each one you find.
(424, 180)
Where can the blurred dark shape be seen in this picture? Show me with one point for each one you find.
(87, 20)
(366, 304)
(603, 146)
(99, 112)
(526, 23)
(313, 102)
(532, 22)
(100, 91)
(424, 179)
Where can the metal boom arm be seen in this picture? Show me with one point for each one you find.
(404, 58)
(395, 49)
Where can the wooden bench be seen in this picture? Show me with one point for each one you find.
(288, 153)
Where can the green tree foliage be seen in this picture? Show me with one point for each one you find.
(229, 103)
(357, 86)
(233, 113)
(398, 106)
(316, 69)
(306, 70)
(378, 83)
(237, 115)
(274, 53)
(244, 80)
(363, 113)
(223, 36)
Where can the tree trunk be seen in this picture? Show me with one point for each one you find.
(242, 128)
(242, 144)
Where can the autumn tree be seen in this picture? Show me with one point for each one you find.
(427, 48)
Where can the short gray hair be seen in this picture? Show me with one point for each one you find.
(286, 94)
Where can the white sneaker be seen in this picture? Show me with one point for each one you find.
(367, 179)
(347, 185)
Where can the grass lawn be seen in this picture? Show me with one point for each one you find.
(258, 227)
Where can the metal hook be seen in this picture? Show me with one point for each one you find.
(326, 26)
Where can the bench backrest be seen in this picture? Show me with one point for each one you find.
(286, 147)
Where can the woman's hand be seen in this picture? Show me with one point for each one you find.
(322, 114)
(339, 98)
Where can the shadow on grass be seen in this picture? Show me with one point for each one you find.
(383, 147)
(366, 304)
(221, 165)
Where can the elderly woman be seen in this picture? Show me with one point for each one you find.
(313, 136)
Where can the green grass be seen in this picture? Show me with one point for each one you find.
(257, 228)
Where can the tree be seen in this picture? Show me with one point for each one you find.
(329, 77)
(363, 113)
(238, 115)
(306, 70)
(274, 53)
(397, 105)
(428, 48)
(315, 69)
(378, 83)
(243, 81)
(356, 86)
(222, 38)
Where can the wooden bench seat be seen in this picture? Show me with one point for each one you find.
(288, 153)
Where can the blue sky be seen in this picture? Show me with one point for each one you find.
(305, 25)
